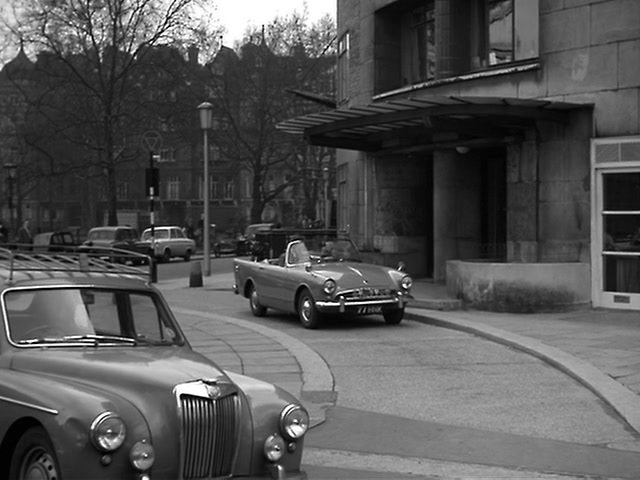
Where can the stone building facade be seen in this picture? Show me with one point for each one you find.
(492, 145)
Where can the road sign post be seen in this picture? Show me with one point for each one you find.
(152, 141)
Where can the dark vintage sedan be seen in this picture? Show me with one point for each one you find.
(329, 280)
(97, 381)
(58, 241)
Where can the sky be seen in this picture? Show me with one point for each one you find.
(235, 15)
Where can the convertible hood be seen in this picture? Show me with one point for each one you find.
(352, 275)
(125, 370)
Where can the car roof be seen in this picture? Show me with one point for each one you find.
(19, 268)
(108, 228)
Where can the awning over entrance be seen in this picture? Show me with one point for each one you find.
(431, 123)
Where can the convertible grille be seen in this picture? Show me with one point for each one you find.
(209, 434)
(367, 293)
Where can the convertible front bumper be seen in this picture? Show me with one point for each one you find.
(342, 305)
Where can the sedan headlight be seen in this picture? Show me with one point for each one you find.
(406, 283)
(294, 422)
(108, 432)
(329, 286)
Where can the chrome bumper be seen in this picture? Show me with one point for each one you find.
(341, 305)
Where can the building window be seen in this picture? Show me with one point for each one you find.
(419, 49)
(343, 68)
(173, 188)
(503, 31)
(123, 190)
(167, 155)
(229, 189)
(215, 188)
(343, 201)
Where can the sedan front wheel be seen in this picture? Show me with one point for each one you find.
(34, 457)
(308, 314)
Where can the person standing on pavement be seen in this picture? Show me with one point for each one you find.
(4, 232)
(24, 233)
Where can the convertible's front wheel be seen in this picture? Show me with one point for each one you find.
(393, 317)
(257, 309)
(34, 457)
(308, 314)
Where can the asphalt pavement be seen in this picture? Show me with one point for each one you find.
(600, 348)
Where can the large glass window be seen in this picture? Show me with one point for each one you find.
(419, 55)
(621, 232)
(343, 67)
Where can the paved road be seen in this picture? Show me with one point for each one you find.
(418, 399)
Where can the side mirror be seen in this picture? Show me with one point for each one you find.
(401, 266)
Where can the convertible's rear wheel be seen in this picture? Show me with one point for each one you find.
(34, 457)
(257, 309)
(394, 316)
(308, 314)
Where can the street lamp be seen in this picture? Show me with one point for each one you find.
(12, 169)
(206, 121)
(327, 203)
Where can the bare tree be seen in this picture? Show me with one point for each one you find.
(251, 97)
(92, 55)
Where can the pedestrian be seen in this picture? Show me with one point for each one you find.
(4, 232)
(24, 233)
(188, 228)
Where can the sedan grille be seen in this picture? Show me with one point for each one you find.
(209, 434)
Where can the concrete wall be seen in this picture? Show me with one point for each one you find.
(519, 287)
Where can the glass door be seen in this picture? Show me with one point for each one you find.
(617, 270)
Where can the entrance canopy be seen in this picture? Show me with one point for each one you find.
(430, 123)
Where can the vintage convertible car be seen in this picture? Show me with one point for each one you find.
(330, 280)
(97, 380)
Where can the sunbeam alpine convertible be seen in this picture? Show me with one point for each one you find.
(97, 381)
(312, 283)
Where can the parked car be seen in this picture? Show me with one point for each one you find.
(168, 242)
(225, 246)
(59, 241)
(246, 243)
(335, 282)
(109, 240)
(98, 381)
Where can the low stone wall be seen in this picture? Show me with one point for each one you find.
(519, 287)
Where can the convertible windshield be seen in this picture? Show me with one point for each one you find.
(340, 250)
(87, 316)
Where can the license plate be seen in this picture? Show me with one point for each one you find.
(368, 310)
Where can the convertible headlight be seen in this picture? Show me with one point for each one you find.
(294, 422)
(406, 283)
(274, 447)
(108, 432)
(329, 286)
(142, 455)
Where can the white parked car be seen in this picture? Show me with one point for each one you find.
(170, 242)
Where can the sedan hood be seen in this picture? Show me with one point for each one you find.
(352, 274)
(121, 370)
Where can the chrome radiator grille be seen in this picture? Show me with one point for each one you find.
(368, 293)
(209, 435)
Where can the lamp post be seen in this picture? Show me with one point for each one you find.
(11, 171)
(206, 121)
(327, 204)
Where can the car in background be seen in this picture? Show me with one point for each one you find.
(99, 381)
(246, 242)
(331, 281)
(60, 241)
(225, 246)
(108, 240)
(168, 242)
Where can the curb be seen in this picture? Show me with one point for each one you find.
(625, 402)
